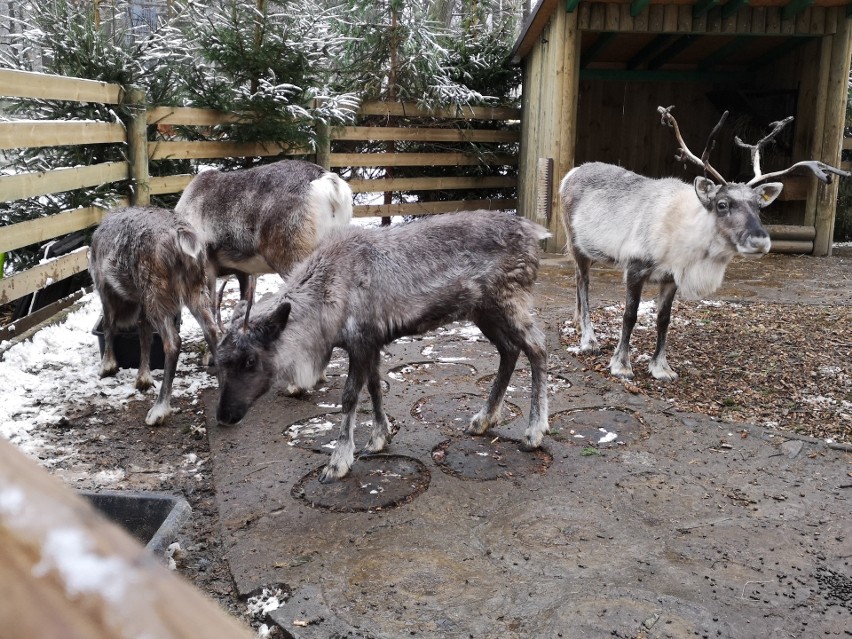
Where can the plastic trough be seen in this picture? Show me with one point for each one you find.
(153, 518)
(125, 345)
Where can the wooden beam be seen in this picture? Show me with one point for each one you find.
(192, 116)
(647, 52)
(418, 159)
(531, 29)
(22, 234)
(779, 51)
(43, 86)
(24, 185)
(432, 208)
(638, 6)
(723, 53)
(383, 185)
(67, 571)
(603, 41)
(202, 150)
(19, 134)
(53, 270)
(623, 75)
(701, 7)
(732, 6)
(794, 8)
(676, 47)
(169, 184)
(412, 110)
(423, 134)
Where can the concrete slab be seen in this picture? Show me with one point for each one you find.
(677, 526)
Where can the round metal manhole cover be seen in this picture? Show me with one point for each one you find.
(454, 412)
(521, 383)
(319, 434)
(486, 458)
(375, 482)
(432, 373)
(600, 428)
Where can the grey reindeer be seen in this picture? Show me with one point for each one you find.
(264, 219)
(147, 265)
(363, 288)
(679, 235)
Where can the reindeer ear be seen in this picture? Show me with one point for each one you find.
(766, 193)
(188, 241)
(276, 323)
(705, 190)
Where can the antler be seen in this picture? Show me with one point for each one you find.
(250, 286)
(684, 154)
(755, 149)
(821, 170)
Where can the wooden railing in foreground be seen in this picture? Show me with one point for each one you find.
(68, 572)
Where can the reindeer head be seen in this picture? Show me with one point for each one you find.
(737, 206)
(246, 358)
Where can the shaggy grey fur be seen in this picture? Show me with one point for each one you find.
(363, 288)
(661, 230)
(263, 219)
(146, 265)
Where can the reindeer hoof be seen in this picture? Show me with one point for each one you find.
(143, 383)
(329, 475)
(108, 371)
(157, 415)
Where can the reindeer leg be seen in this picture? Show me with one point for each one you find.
(143, 376)
(383, 431)
(109, 366)
(582, 316)
(534, 348)
(634, 278)
(171, 345)
(489, 415)
(659, 367)
(343, 455)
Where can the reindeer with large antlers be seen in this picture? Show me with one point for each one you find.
(667, 231)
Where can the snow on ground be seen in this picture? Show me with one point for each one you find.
(56, 372)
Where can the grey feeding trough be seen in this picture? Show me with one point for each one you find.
(125, 344)
(152, 518)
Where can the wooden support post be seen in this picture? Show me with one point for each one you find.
(323, 154)
(566, 91)
(137, 142)
(69, 573)
(832, 146)
(818, 126)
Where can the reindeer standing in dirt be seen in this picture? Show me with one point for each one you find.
(363, 288)
(664, 230)
(147, 265)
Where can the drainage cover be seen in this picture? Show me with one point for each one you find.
(488, 458)
(375, 482)
(601, 428)
(432, 373)
(319, 433)
(455, 411)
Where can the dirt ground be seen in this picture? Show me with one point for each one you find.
(774, 352)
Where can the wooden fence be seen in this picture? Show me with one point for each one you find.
(141, 150)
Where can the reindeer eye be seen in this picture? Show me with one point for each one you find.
(722, 205)
(250, 362)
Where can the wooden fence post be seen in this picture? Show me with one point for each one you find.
(323, 155)
(137, 142)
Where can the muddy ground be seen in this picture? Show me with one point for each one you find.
(692, 474)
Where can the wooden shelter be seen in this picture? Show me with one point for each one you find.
(594, 72)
